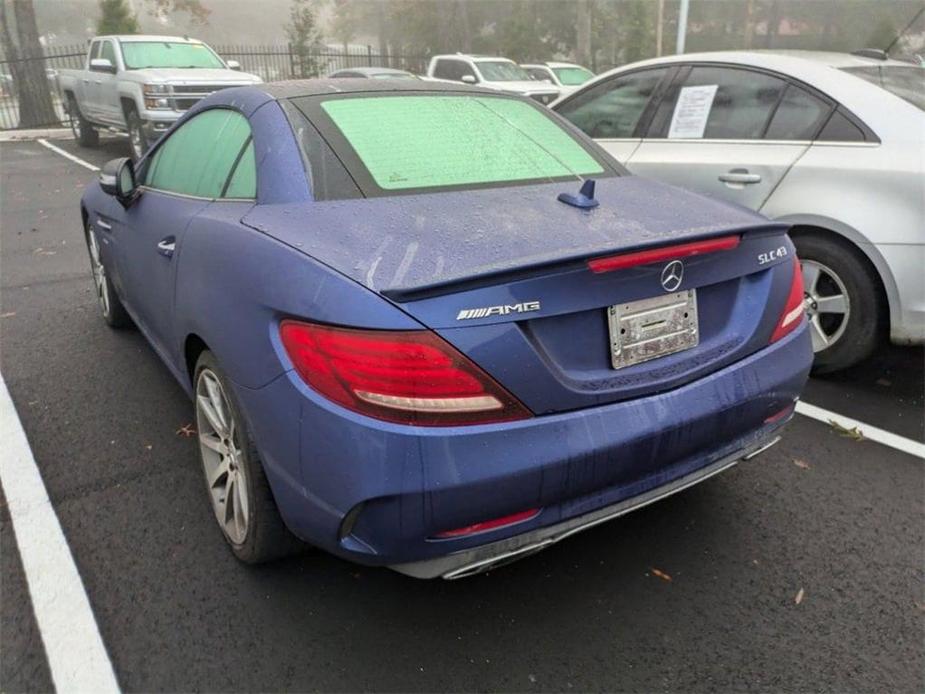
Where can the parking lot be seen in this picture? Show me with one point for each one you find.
(801, 569)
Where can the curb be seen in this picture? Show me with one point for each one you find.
(14, 135)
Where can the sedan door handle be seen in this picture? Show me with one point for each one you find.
(740, 176)
(166, 246)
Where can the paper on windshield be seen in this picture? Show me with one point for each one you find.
(691, 111)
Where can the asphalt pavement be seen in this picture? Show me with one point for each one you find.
(802, 569)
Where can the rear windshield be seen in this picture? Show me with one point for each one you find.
(502, 71)
(420, 142)
(144, 54)
(905, 82)
(572, 76)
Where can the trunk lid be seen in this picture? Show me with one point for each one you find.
(444, 258)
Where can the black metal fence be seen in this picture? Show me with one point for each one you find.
(56, 58)
(271, 63)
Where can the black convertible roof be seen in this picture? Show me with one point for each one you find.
(319, 87)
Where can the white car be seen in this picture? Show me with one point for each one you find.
(494, 73)
(141, 85)
(831, 143)
(566, 76)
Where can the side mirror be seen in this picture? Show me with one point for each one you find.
(233, 64)
(469, 79)
(117, 178)
(102, 65)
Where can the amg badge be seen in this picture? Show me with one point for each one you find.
(524, 307)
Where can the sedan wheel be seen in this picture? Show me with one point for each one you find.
(111, 307)
(99, 274)
(827, 305)
(222, 459)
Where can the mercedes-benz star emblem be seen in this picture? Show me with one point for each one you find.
(672, 275)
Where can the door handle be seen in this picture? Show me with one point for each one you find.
(86, 81)
(98, 81)
(166, 246)
(103, 224)
(740, 176)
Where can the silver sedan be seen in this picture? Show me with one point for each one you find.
(831, 143)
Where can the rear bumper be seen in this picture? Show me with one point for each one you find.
(490, 556)
(379, 494)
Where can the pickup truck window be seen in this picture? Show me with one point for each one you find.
(209, 156)
(138, 55)
(94, 51)
(107, 52)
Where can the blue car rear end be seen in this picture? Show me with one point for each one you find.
(453, 500)
(442, 379)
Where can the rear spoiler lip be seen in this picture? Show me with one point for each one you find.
(564, 263)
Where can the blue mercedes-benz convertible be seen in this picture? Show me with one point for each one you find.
(436, 328)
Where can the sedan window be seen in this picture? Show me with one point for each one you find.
(539, 73)
(612, 109)
(905, 81)
(209, 156)
(719, 103)
(798, 116)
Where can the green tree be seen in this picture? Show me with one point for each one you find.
(304, 37)
(116, 18)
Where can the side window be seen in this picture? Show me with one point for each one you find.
(719, 103)
(108, 52)
(451, 69)
(446, 69)
(798, 116)
(539, 73)
(209, 156)
(94, 51)
(613, 108)
(839, 128)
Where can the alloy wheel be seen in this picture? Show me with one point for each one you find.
(222, 459)
(136, 140)
(99, 272)
(827, 304)
(75, 124)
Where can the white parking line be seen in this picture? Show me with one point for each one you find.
(76, 655)
(68, 155)
(887, 438)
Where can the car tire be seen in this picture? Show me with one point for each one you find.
(844, 331)
(85, 134)
(137, 141)
(236, 485)
(111, 307)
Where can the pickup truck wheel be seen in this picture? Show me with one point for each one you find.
(85, 134)
(136, 135)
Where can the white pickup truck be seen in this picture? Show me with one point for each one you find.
(141, 85)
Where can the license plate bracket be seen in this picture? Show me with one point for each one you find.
(652, 328)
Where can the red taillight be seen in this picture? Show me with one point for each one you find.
(780, 414)
(493, 524)
(411, 377)
(793, 308)
(654, 255)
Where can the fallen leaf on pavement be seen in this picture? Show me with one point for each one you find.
(8, 314)
(799, 598)
(801, 464)
(852, 433)
(186, 430)
(661, 574)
